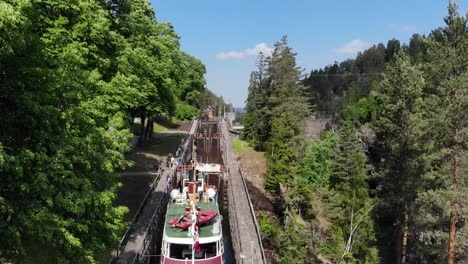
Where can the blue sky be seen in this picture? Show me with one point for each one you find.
(227, 35)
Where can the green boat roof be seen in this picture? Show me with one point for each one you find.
(174, 211)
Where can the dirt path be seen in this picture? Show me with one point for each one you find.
(153, 154)
(148, 158)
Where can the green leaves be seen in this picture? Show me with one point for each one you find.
(186, 112)
(73, 74)
(317, 162)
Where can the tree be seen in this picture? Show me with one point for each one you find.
(190, 80)
(61, 141)
(72, 75)
(317, 161)
(393, 46)
(442, 207)
(401, 174)
(289, 109)
(294, 247)
(417, 48)
(349, 202)
(258, 117)
(149, 64)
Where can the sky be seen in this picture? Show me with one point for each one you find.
(226, 35)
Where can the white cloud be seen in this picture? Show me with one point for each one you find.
(261, 47)
(402, 28)
(352, 47)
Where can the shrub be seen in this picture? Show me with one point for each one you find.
(186, 112)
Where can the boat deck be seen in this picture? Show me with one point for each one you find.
(209, 230)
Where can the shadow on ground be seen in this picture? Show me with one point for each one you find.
(260, 201)
(162, 144)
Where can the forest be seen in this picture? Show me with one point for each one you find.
(73, 76)
(387, 181)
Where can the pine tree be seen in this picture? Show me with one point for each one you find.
(442, 208)
(289, 109)
(348, 202)
(397, 95)
(257, 120)
(294, 247)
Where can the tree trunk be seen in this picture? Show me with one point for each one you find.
(404, 242)
(148, 125)
(453, 214)
(142, 125)
(453, 230)
(151, 129)
(132, 122)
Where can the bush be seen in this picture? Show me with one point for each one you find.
(266, 225)
(186, 112)
(361, 111)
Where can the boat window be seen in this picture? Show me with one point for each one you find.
(180, 251)
(209, 249)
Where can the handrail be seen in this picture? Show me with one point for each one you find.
(124, 238)
(252, 211)
(227, 157)
(147, 231)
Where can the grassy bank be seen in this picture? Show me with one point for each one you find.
(239, 146)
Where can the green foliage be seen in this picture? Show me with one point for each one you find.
(336, 86)
(415, 98)
(294, 248)
(417, 48)
(441, 207)
(191, 82)
(289, 109)
(418, 111)
(397, 96)
(186, 112)
(361, 111)
(393, 47)
(317, 162)
(268, 225)
(73, 74)
(257, 121)
(239, 146)
(420, 126)
(208, 98)
(348, 202)
(333, 247)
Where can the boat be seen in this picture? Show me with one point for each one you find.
(192, 229)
